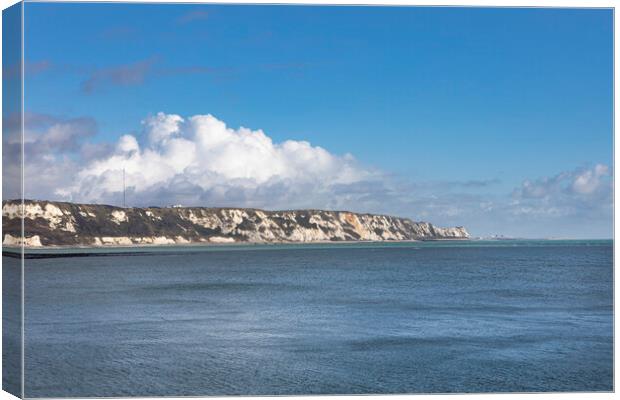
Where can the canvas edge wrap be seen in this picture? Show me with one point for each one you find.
(12, 188)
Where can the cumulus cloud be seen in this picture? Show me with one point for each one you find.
(200, 160)
(585, 191)
(161, 127)
(52, 148)
(590, 180)
(62, 135)
(581, 182)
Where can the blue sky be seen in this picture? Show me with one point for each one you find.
(453, 104)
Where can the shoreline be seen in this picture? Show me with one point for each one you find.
(152, 249)
(144, 249)
(225, 244)
(292, 243)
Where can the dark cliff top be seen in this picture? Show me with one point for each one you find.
(108, 206)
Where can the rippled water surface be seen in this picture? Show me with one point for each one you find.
(399, 318)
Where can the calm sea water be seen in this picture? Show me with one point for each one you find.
(364, 318)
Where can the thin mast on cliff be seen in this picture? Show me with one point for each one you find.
(124, 188)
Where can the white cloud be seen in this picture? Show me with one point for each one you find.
(200, 161)
(583, 192)
(51, 148)
(200, 158)
(589, 180)
(127, 144)
(162, 127)
(579, 183)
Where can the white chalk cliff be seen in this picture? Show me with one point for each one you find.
(56, 223)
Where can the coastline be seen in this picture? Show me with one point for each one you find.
(74, 224)
(162, 249)
(33, 252)
(207, 245)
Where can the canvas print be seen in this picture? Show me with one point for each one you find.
(237, 199)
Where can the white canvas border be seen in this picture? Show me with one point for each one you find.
(476, 3)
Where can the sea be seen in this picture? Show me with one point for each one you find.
(357, 318)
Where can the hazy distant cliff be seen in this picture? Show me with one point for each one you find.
(56, 223)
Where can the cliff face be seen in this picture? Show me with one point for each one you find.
(56, 223)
